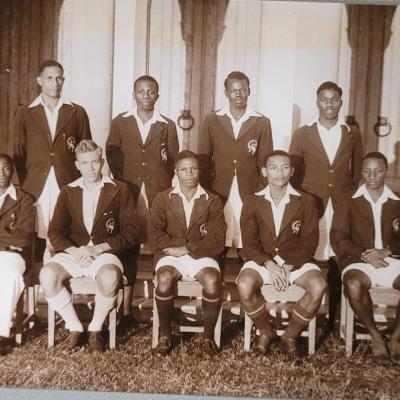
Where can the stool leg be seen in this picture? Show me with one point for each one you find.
(51, 321)
(19, 319)
(218, 328)
(248, 323)
(343, 316)
(156, 325)
(349, 329)
(112, 327)
(312, 328)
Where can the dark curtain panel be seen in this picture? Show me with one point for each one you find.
(28, 35)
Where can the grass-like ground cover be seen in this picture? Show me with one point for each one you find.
(132, 367)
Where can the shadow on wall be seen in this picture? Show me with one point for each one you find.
(296, 117)
(393, 173)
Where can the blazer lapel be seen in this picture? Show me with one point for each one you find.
(129, 125)
(227, 125)
(39, 116)
(364, 206)
(388, 211)
(314, 138)
(344, 142)
(264, 207)
(65, 114)
(246, 126)
(7, 205)
(290, 211)
(200, 206)
(107, 194)
(75, 202)
(155, 129)
(176, 206)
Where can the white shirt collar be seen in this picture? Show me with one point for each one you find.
(386, 194)
(266, 192)
(248, 113)
(39, 101)
(340, 121)
(79, 182)
(199, 191)
(11, 192)
(156, 116)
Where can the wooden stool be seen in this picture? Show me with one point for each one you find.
(384, 302)
(87, 286)
(283, 303)
(186, 288)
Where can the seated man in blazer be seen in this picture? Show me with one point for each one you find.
(94, 222)
(280, 233)
(366, 237)
(17, 226)
(187, 233)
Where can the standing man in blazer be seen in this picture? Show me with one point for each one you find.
(237, 139)
(366, 237)
(140, 149)
(94, 222)
(187, 234)
(327, 156)
(17, 225)
(45, 135)
(280, 235)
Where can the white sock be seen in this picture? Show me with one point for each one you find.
(102, 307)
(62, 303)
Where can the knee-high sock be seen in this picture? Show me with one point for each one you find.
(11, 288)
(62, 303)
(102, 307)
(165, 305)
(259, 316)
(211, 304)
(300, 319)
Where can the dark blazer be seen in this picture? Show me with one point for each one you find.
(17, 222)
(34, 151)
(135, 162)
(115, 220)
(298, 236)
(313, 172)
(353, 228)
(217, 141)
(205, 236)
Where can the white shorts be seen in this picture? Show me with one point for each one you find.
(76, 271)
(186, 265)
(384, 277)
(264, 273)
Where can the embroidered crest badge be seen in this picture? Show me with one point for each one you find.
(396, 226)
(164, 155)
(203, 230)
(110, 225)
(71, 142)
(252, 146)
(296, 227)
(11, 225)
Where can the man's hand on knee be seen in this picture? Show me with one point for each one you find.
(376, 257)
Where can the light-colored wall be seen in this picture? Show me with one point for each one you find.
(287, 49)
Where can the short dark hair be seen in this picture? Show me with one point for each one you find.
(277, 153)
(145, 78)
(10, 161)
(378, 155)
(329, 85)
(238, 76)
(50, 63)
(186, 154)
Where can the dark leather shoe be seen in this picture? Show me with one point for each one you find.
(394, 349)
(74, 340)
(210, 347)
(380, 352)
(288, 346)
(164, 345)
(95, 342)
(261, 345)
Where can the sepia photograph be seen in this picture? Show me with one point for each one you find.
(199, 198)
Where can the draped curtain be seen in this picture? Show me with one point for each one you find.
(28, 35)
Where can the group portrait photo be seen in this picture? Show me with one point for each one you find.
(199, 198)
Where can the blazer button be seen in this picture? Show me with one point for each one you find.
(331, 185)
(52, 154)
(143, 163)
(276, 249)
(235, 161)
(143, 151)
(331, 171)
